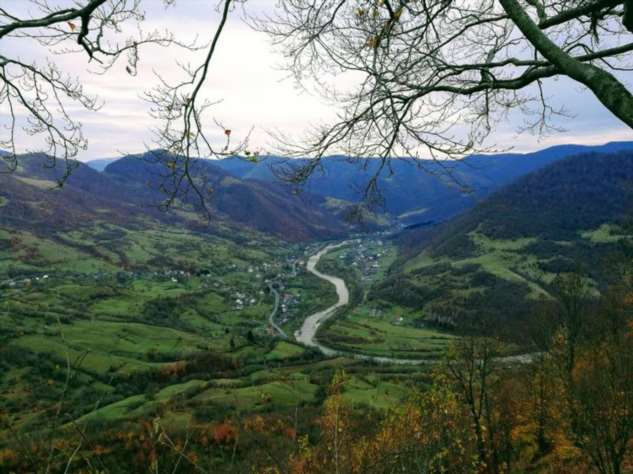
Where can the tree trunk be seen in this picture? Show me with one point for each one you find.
(611, 92)
(627, 21)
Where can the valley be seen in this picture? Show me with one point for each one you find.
(316, 237)
(119, 319)
(185, 328)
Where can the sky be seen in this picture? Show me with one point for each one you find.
(256, 94)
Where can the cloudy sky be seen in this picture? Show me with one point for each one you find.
(255, 93)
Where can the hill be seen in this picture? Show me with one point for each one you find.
(127, 193)
(266, 207)
(493, 260)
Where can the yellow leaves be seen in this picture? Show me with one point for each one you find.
(373, 42)
(8, 457)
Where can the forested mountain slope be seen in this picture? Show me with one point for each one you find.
(127, 193)
(571, 216)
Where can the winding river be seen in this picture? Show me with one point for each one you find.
(308, 332)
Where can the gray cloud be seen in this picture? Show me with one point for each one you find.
(256, 94)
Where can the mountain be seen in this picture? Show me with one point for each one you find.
(266, 207)
(100, 164)
(491, 261)
(127, 193)
(414, 191)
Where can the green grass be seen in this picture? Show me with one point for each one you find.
(374, 392)
(38, 183)
(505, 259)
(486, 244)
(277, 394)
(383, 336)
(103, 309)
(35, 253)
(285, 350)
(605, 234)
(131, 407)
(179, 389)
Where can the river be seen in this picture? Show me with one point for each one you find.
(308, 332)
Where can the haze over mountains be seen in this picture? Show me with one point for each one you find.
(127, 193)
(414, 192)
(250, 195)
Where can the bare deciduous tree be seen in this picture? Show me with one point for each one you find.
(40, 97)
(435, 76)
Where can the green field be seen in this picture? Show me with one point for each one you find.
(384, 335)
(127, 324)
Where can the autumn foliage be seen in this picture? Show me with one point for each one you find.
(568, 409)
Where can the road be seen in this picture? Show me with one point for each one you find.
(273, 313)
(307, 334)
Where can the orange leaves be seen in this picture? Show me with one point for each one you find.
(257, 424)
(227, 132)
(100, 450)
(290, 433)
(225, 433)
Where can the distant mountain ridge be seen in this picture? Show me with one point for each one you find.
(416, 193)
(421, 190)
(126, 195)
(101, 164)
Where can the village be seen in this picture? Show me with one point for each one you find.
(365, 256)
(241, 286)
(282, 283)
